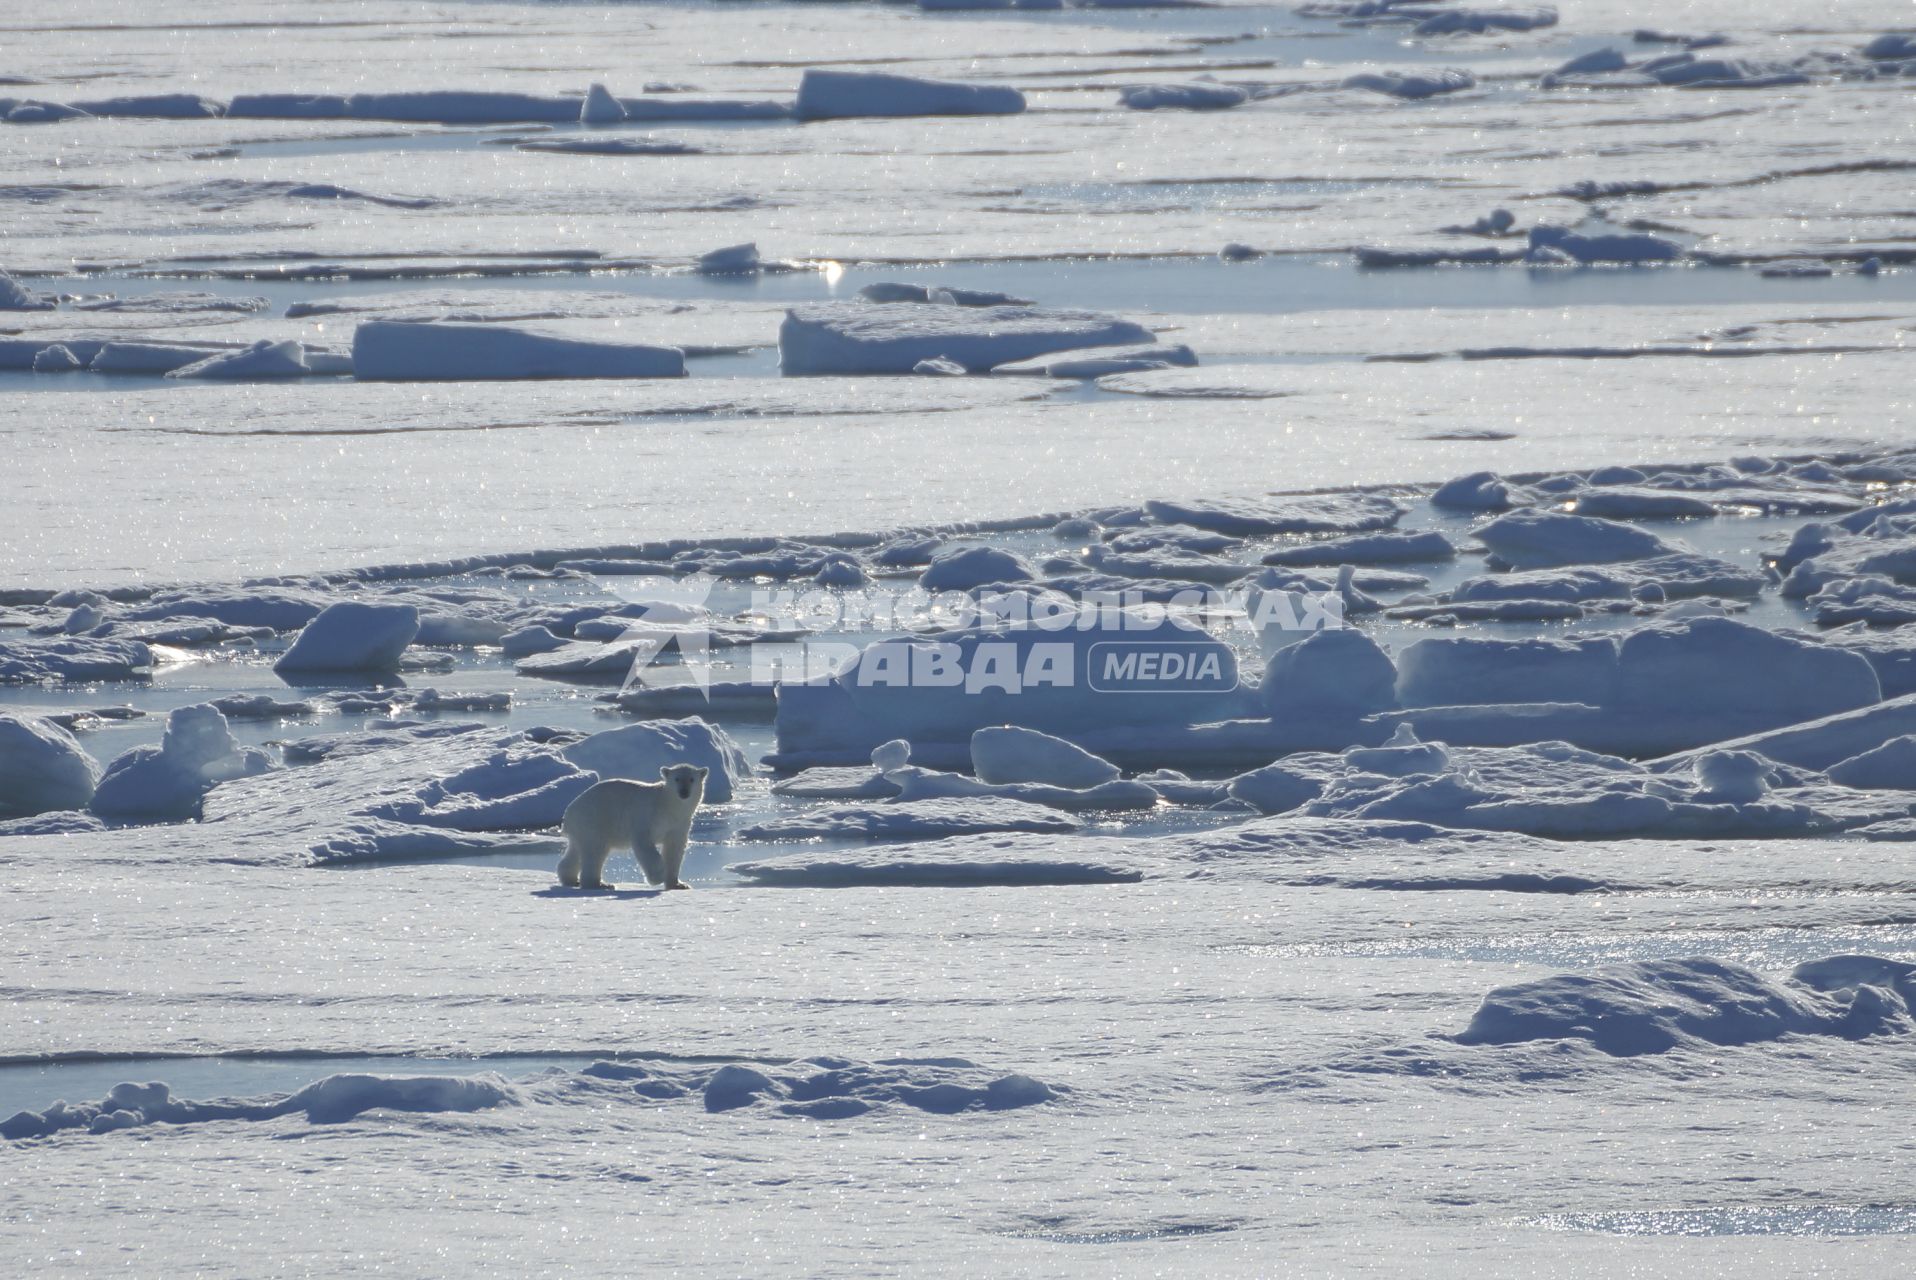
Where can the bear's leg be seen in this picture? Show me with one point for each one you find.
(649, 860)
(674, 860)
(569, 865)
(593, 876)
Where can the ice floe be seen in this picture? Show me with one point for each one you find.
(917, 784)
(1007, 753)
(15, 296)
(197, 752)
(834, 95)
(850, 337)
(37, 659)
(264, 359)
(732, 260)
(1420, 547)
(639, 751)
(1195, 96)
(1099, 363)
(970, 567)
(1310, 513)
(405, 352)
(1662, 687)
(1548, 539)
(1412, 85)
(42, 768)
(351, 636)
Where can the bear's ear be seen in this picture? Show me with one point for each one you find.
(704, 772)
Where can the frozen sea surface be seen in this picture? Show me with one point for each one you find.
(1182, 1039)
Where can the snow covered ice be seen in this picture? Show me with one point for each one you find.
(1299, 620)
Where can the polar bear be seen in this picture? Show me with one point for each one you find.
(653, 819)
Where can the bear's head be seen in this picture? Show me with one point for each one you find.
(686, 781)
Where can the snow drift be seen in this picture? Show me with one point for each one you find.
(1660, 1005)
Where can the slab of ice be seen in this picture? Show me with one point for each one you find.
(891, 291)
(407, 352)
(1412, 85)
(1883, 550)
(1618, 247)
(842, 782)
(1333, 674)
(352, 636)
(1824, 742)
(1007, 753)
(56, 359)
(1163, 566)
(851, 337)
(1628, 502)
(1546, 539)
(172, 302)
(586, 660)
(1305, 513)
(1102, 363)
(1368, 548)
(1890, 767)
(733, 260)
(1275, 788)
(600, 107)
(1681, 576)
(32, 112)
(916, 785)
(278, 608)
(42, 768)
(432, 106)
(687, 107)
(1695, 679)
(153, 357)
(638, 751)
(37, 659)
(155, 106)
(1736, 677)
(603, 146)
(971, 567)
(264, 359)
(167, 782)
(1196, 96)
(1479, 491)
(1894, 47)
(832, 95)
(1449, 21)
(15, 296)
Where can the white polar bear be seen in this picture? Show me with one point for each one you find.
(653, 819)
